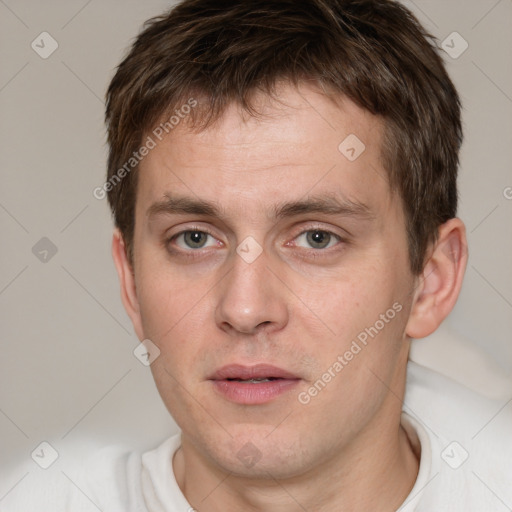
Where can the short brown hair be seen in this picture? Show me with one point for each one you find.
(373, 52)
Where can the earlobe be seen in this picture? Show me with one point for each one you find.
(439, 285)
(127, 282)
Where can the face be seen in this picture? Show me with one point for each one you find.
(271, 271)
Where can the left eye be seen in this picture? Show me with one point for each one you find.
(194, 240)
(317, 239)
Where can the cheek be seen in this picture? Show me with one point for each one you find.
(356, 367)
(347, 302)
(174, 317)
(174, 313)
(366, 318)
(167, 295)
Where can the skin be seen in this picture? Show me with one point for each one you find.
(297, 306)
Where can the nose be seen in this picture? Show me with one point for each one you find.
(251, 298)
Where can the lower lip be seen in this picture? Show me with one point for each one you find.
(248, 393)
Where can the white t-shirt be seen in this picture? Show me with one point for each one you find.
(465, 466)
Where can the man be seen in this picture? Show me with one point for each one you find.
(283, 181)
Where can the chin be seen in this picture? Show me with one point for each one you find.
(254, 453)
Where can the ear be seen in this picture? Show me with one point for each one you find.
(127, 282)
(439, 285)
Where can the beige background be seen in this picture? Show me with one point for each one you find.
(67, 370)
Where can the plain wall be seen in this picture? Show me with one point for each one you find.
(67, 370)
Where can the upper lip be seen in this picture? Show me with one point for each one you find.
(258, 371)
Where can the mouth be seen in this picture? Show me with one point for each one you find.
(252, 385)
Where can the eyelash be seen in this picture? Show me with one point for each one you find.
(312, 253)
(315, 254)
(187, 253)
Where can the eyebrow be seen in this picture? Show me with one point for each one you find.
(328, 205)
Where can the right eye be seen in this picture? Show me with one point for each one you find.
(193, 239)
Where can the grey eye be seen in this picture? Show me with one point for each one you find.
(318, 239)
(194, 239)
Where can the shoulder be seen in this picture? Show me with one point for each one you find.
(77, 483)
(453, 408)
(110, 479)
(116, 479)
(469, 437)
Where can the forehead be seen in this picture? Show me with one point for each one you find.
(302, 143)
